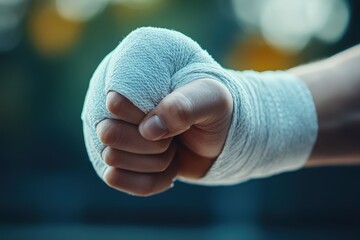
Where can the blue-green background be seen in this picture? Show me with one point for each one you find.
(48, 189)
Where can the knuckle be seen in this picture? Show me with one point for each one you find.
(104, 132)
(147, 187)
(110, 179)
(108, 133)
(108, 156)
(180, 108)
(115, 102)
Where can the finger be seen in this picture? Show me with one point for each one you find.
(191, 165)
(201, 102)
(140, 184)
(139, 162)
(121, 107)
(126, 137)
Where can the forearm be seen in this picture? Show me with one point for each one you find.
(335, 84)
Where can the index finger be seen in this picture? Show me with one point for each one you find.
(121, 107)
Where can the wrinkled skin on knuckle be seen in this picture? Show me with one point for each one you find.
(116, 103)
(178, 108)
(109, 156)
(110, 179)
(106, 132)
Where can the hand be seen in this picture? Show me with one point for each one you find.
(180, 138)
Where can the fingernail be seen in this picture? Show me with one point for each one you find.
(153, 128)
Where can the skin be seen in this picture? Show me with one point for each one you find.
(144, 159)
(335, 84)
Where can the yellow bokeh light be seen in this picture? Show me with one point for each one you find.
(254, 53)
(50, 33)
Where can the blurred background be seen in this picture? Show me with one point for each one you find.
(48, 189)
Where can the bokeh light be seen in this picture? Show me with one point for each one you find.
(84, 10)
(11, 15)
(80, 10)
(283, 24)
(136, 3)
(247, 13)
(253, 52)
(50, 33)
(291, 25)
(329, 19)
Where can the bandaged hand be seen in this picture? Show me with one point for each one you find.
(159, 108)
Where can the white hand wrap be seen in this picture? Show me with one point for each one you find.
(274, 122)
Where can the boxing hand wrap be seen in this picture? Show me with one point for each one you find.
(274, 123)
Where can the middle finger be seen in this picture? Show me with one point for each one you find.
(126, 137)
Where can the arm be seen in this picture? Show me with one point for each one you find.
(335, 84)
(213, 126)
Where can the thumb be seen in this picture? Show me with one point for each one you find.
(202, 102)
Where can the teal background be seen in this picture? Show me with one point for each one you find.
(48, 189)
